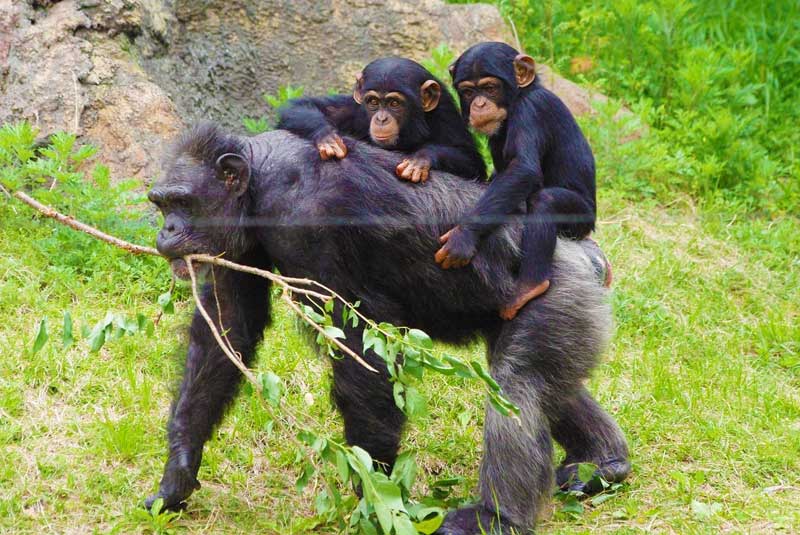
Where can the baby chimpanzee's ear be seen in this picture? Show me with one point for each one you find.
(234, 170)
(358, 88)
(524, 70)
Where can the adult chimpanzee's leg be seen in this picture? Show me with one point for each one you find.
(210, 380)
(372, 420)
(589, 435)
(551, 212)
(516, 474)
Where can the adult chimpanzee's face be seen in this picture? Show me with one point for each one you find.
(485, 98)
(200, 204)
(387, 113)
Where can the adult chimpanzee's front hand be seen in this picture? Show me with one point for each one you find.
(458, 248)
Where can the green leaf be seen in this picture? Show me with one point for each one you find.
(416, 404)
(404, 471)
(397, 390)
(305, 475)
(165, 302)
(323, 503)
(420, 338)
(403, 525)
(571, 505)
(389, 493)
(361, 456)
(586, 472)
(41, 336)
(429, 525)
(366, 527)
(67, 338)
(334, 332)
(315, 316)
(271, 384)
(97, 337)
(447, 482)
(483, 374)
(342, 466)
(157, 506)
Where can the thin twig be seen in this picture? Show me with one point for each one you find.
(83, 227)
(233, 358)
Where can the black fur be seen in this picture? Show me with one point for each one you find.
(542, 163)
(439, 134)
(352, 225)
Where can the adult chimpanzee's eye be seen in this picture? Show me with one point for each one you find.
(372, 102)
(467, 93)
(394, 104)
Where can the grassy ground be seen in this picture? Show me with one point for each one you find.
(702, 374)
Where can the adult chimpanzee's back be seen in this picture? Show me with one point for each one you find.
(352, 225)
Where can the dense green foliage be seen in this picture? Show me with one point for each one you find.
(718, 83)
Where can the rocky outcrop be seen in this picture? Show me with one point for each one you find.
(126, 75)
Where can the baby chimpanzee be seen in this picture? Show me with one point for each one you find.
(397, 105)
(542, 162)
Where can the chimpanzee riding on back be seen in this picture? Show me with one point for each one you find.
(396, 105)
(542, 162)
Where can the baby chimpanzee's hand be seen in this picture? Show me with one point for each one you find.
(458, 248)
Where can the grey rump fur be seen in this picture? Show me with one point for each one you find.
(354, 226)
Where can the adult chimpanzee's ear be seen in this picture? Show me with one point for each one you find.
(524, 70)
(358, 88)
(430, 92)
(234, 170)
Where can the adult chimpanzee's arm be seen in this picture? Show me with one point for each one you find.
(210, 380)
(314, 118)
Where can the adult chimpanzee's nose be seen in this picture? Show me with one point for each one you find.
(480, 102)
(382, 118)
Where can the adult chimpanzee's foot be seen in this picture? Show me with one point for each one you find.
(509, 312)
(611, 470)
(475, 520)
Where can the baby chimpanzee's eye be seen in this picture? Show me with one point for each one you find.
(467, 93)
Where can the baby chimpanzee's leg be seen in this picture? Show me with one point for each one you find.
(551, 211)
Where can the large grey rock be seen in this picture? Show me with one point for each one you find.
(126, 75)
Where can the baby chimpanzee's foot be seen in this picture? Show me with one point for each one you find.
(525, 294)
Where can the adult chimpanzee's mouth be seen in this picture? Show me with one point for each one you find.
(179, 268)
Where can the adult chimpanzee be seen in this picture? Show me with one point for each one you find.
(541, 159)
(397, 105)
(263, 201)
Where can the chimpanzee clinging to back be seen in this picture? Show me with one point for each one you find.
(542, 162)
(397, 105)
